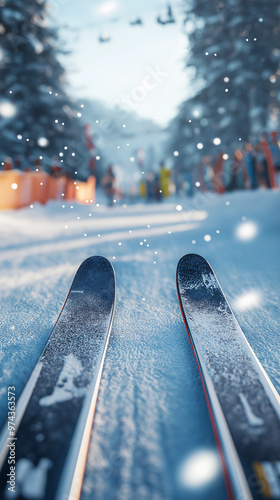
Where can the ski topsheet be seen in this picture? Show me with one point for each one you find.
(54, 414)
(244, 406)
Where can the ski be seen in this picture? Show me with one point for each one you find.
(243, 404)
(43, 455)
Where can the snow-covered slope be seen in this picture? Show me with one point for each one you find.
(152, 437)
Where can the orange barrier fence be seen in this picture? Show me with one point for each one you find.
(85, 191)
(20, 189)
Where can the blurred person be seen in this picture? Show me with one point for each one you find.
(269, 167)
(205, 174)
(261, 166)
(179, 179)
(150, 183)
(158, 194)
(55, 169)
(188, 183)
(164, 178)
(208, 172)
(108, 183)
(143, 188)
(18, 162)
(250, 162)
(200, 175)
(275, 151)
(240, 176)
(38, 164)
(132, 191)
(8, 163)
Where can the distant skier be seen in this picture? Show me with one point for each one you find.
(8, 163)
(108, 183)
(275, 151)
(150, 184)
(262, 166)
(240, 178)
(164, 178)
(269, 166)
(55, 168)
(18, 162)
(250, 162)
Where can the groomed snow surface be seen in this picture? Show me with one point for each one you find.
(152, 437)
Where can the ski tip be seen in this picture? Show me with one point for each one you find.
(190, 259)
(96, 264)
(191, 263)
(95, 274)
(97, 261)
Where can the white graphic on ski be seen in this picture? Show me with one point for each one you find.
(30, 480)
(251, 417)
(65, 388)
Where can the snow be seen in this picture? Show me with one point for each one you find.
(151, 416)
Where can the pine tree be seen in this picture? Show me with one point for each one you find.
(234, 55)
(36, 115)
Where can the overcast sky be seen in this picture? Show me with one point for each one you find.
(141, 67)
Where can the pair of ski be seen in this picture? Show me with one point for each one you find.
(55, 411)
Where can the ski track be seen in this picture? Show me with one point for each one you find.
(151, 413)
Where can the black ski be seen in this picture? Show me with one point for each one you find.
(243, 404)
(54, 414)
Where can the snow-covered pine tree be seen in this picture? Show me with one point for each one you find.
(36, 115)
(234, 57)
